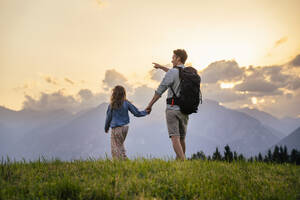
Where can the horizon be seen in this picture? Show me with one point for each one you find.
(106, 103)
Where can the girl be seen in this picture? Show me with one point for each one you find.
(117, 118)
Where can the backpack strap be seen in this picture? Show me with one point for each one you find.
(179, 70)
(174, 99)
(174, 94)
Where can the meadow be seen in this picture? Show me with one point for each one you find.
(147, 179)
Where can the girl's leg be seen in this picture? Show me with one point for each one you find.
(118, 136)
(122, 140)
(113, 144)
(115, 152)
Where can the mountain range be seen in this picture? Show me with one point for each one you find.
(29, 134)
(283, 126)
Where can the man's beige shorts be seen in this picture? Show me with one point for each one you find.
(176, 123)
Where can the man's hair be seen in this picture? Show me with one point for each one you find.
(181, 53)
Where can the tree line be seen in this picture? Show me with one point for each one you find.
(279, 155)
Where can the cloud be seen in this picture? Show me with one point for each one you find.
(276, 74)
(296, 61)
(294, 84)
(22, 87)
(269, 84)
(248, 81)
(50, 80)
(256, 85)
(221, 71)
(278, 82)
(213, 91)
(289, 95)
(59, 100)
(53, 101)
(69, 81)
(142, 95)
(267, 80)
(113, 78)
(89, 99)
(83, 100)
(280, 41)
(283, 106)
(85, 94)
(251, 81)
(257, 82)
(156, 75)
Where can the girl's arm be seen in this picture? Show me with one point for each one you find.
(108, 119)
(135, 111)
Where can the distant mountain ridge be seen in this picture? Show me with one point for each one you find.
(292, 141)
(242, 132)
(62, 134)
(284, 125)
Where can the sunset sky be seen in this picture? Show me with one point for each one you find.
(78, 48)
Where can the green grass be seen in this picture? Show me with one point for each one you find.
(148, 179)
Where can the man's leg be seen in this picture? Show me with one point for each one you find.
(177, 147)
(182, 142)
(173, 129)
(183, 121)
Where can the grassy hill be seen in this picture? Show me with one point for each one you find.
(148, 179)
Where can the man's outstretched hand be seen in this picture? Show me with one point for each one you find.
(158, 66)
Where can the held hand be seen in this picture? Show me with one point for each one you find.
(148, 109)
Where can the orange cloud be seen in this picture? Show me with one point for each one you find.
(50, 80)
(69, 81)
(280, 41)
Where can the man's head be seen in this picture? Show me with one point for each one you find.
(179, 57)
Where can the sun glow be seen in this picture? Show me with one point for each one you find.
(226, 85)
(254, 100)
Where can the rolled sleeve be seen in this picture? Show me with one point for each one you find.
(165, 83)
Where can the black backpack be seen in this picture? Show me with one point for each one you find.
(190, 93)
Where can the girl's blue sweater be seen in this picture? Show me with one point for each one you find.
(120, 117)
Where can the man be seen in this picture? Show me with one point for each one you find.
(176, 120)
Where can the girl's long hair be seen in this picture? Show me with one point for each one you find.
(118, 97)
